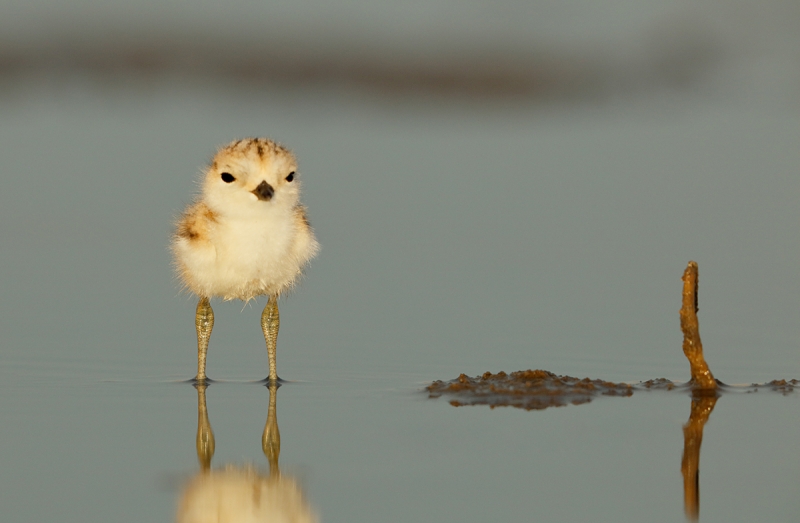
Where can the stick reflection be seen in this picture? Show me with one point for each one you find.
(241, 493)
(690, 464)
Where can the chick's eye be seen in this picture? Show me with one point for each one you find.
(227, 177)
(290, 177)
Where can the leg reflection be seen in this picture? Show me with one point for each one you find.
(205, 436)
(271, 439)
(690, 464)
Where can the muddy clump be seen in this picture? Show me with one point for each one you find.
(526, 389)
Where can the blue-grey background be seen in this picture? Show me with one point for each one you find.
(496, 186)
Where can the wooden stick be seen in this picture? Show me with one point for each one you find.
(702, 379)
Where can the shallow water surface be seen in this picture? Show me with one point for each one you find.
(378, 449)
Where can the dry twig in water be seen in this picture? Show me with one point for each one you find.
(702, 379)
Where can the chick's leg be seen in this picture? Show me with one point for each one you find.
(204, 322)
(270, 323)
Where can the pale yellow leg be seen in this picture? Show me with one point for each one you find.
(270, 323)
(271, 439)
(205, 436)
(204, 322)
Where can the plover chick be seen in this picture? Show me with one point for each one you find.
(246, 235)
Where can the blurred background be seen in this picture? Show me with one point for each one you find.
(496, 186)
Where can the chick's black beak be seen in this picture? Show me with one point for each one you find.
(264, 191)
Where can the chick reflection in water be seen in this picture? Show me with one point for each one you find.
(241, 494)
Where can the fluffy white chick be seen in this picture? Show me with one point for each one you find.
(246, 235)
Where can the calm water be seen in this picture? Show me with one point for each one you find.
(457, 237)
